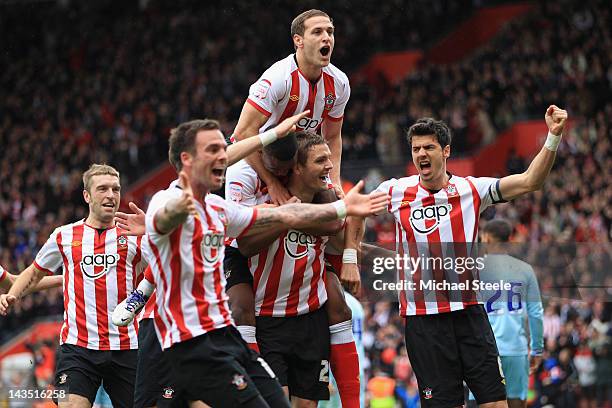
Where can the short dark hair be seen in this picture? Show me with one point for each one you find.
(305, 141)
(297, 25)
(283, 149)
(430, 126)
(499, 228)
(182, 139)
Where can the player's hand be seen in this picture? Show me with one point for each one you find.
(555, 119)
(350, 277)
(133, 224)
(293, 200)
(278, 193)
(534, 363)
(339, 192)
(365, 205)
(289, 125)
(6, 301)
(186, 203)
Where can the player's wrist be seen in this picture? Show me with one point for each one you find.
(267, 137)
(340, 207)
(349, 256)
(553, 141)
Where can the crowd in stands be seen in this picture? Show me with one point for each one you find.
(106, 83)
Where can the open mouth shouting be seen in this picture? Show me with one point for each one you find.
(218, 172)
(425, 166)
(109, 205)
(325, 51)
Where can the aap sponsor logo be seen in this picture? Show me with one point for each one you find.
(420, 216)
(211, 245)
(308, 123)
(297, 243)
(91, 264)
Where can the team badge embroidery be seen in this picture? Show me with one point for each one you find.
(62, 378)
(451, 190)
(122, 241)
(168, 393)
(294, 98)
(330, 99)
(427, 393)
(239, 382)
(262, 88)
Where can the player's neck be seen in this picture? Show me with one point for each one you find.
(300, 191)
(311, 72)
(436, 184)
(98, 224)
(495, 248)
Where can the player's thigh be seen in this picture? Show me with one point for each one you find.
(303, 403)
(75, 401)
(434, 355)
(337, 309)
(275, 337)
(120, 376)
(309, 362)
(482, 369)
(265, 380)
(78, 371)
(516, 372)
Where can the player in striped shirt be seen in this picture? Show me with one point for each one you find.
(186, 229)
(307, 80)
(48, 282)
(100, 265)
(436, 216)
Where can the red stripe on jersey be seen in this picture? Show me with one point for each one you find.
(175, 283)
(267, 306)
(36, 265)
(312, 95)
(261, 263)
(79, 288)
(198, 290)
(404, 212)
(66, 328)
(259, 108)
(335, 261)
(459, 244)
(100, 288)
(251, 222)
(124, 339)
(476, 198)
(313, 296)
(296, 282)
(159, 323)
(294, 97)
(217, 271)
(435, 252)
(330, 89)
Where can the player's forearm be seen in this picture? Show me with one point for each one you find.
(535, 314)
(27, 280)
(331, 228)
(335, 146)
(256, 162)
(167, 219)
(296, 216)
(539, 169)
(353, 235)
(45, 283)
(243, 148)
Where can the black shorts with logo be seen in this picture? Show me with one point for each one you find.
(218, 368)
(236, 268)
(154, 383)
(297, 349)
(448, 348)
(81, 371)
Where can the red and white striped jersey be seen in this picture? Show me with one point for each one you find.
(100, 269)
(283, 91)
(3, 273)
(288, 275)
(187, 266)
(436, 229)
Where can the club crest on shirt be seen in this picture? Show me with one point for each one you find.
(122, 241)
(330, 99)
(62, 378)
(168, 393)
(451, 190)
(239, 382)
(427, 393)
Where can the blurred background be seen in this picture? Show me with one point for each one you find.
(105, 81)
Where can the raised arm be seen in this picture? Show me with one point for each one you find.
(533, 178)
(332, 132)
(249, 123)
(176, 211)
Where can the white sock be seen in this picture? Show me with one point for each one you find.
(341, 333)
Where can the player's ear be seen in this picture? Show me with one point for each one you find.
(186, 159)
(86, 196)
(446, 151)
(298, 41)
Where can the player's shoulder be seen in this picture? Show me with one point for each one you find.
(240, 170)
(216, 202)
(400, 183)
(280, 70)
(68, 227)
(337, 73)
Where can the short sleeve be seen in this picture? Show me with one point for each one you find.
(49, 258)
(241, 185)
(337, 112)
(385, 186)
(3, 273)
(239, 218)
(488, 190)
(158, 201)
(267, 91)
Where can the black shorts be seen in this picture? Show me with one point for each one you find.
(154, 383)
(448, 348)
(81, 371)
(236, 268)
(297, 349)
(219, 369)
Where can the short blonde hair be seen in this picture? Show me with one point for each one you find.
(97, 170)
